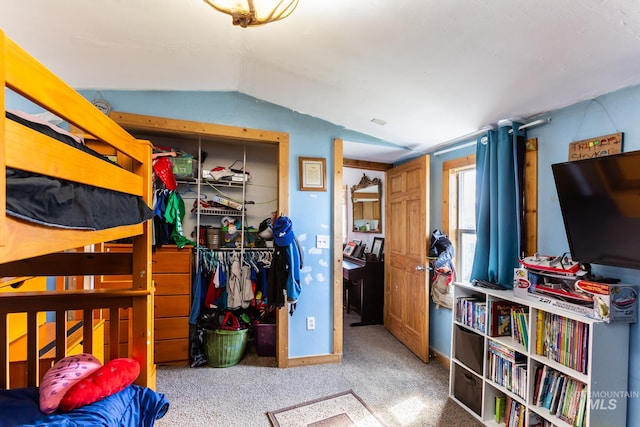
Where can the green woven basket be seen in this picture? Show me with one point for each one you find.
(224, 348)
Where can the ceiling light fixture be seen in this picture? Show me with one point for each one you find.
(252, 13)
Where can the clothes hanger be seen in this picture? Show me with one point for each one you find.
(250, 258)
(194, 194)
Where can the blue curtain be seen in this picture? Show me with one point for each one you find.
(499, 171)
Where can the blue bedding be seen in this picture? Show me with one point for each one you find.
(133, 406)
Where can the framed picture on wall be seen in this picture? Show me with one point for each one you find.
(313, 175)
(377, 247)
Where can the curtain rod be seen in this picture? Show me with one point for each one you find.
(457, 147)
(447, 145)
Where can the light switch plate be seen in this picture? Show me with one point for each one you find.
(322, 241)
(311, 323)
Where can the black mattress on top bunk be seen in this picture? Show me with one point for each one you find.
(58, 203)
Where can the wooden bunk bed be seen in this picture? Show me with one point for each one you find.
(29, 249)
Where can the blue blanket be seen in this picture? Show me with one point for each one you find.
(133, 406)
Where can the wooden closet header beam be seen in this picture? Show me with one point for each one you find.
(160, 125)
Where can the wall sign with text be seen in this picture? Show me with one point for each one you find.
(596, 147)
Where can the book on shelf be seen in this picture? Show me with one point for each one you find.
(567, 401)
(536, 420)
(539, 332)
(472, 312)
(548, 392)
(558, 392)
(565, 341)
(507, 410)
(572, 411)
(564, 396)
(500, 317)
(537, 382)
(520, 325)
(507, 368)
(515, 413)
(500, 408)
(582, 405)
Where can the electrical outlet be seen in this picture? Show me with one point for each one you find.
(322, 241)
(311, 323)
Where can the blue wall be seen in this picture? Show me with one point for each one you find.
(610, 113)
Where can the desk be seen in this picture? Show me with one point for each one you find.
(364, 289)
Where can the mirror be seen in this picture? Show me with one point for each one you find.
(366, 198)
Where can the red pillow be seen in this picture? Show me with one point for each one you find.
(111, 378)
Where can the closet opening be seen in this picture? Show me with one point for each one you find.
(230, 180)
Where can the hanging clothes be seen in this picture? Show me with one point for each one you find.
(161, 229)
(247, 293)
(441, 253)
(225, 280)
(283, 279)
(234, 292)
(174, 214)
(196, 303)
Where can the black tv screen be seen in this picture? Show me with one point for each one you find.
(600, 203)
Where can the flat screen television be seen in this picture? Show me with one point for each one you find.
(600, 203)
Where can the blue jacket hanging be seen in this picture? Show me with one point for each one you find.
(284, 274)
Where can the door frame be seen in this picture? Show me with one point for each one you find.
(337, 248)
(339, 164)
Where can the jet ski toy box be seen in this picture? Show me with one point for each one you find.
(561, 265)
(565, 286)
(611, 303)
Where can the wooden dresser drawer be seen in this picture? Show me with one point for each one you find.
(169, 328)
(165, 284)
(171, 351)
(171, 306)
(167, 259)
(172, 284)
(172, 260)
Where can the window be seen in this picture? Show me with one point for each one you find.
(458, 216)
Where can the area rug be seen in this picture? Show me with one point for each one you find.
(344, 409)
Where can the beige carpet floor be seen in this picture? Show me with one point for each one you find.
(397, 386)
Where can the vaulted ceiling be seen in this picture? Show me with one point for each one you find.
(430, 70)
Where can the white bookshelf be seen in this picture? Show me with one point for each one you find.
(605, 378)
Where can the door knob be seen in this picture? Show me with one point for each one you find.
(420, 267)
